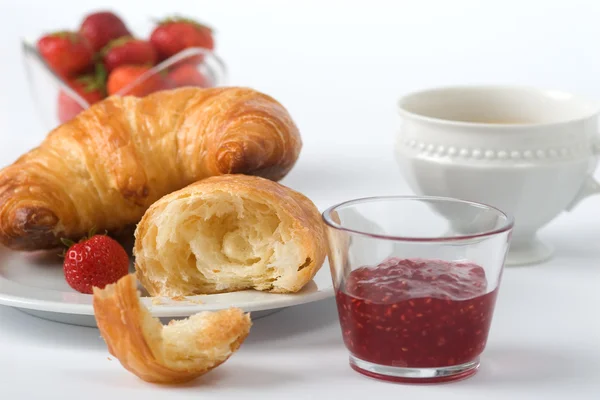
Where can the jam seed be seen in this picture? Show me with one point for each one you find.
(404, 349)
(428, 300)
(403, 317)
(419, 315)
(411, 303)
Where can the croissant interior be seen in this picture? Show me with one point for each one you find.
(222, 243)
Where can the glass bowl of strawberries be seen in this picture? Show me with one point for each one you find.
(68, 71)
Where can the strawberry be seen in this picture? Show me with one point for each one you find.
(123, 77)
(101, 27)
(67, 53)
(186, 75)
(176, 34)
(97, 261)
(90, 87)
(127, 50)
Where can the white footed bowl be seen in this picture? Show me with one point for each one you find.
(526, 151)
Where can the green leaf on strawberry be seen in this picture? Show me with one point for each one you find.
(177, 18)
(67, 242)
(101, 75)
(96, 81)
(71, 36)
(115, 43)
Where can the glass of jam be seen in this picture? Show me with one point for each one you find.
(416, 281)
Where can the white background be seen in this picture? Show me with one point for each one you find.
(339, 66)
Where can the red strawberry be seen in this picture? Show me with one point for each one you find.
(128, 51)
(186, 75)
(97, 261)
(176, 34)
(90, 87)
(122, 77)
(67, 53)
(101, 27)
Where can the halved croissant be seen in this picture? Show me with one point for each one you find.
(228, 233)
(104, 168)
(176, 353)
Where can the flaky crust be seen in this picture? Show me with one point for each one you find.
(240, 232)
(144, 347)
(104, 168)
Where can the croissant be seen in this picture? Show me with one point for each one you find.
(104, 168)
(228, 233)
(176, 353)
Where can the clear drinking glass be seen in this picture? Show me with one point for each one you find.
(416, 280)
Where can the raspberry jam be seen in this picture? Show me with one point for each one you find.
(416, 313)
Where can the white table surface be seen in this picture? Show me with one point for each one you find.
(338, 67)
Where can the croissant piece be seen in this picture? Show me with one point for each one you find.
(175, 353)
(229, 233)
(104, 168)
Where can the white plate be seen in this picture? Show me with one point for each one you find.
(34, 283)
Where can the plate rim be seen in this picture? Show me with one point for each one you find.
(166, 307)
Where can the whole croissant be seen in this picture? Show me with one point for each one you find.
(105, 167)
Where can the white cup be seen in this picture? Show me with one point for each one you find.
(527, 151)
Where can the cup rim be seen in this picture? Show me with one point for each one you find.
(401, 104)
(507, 226)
